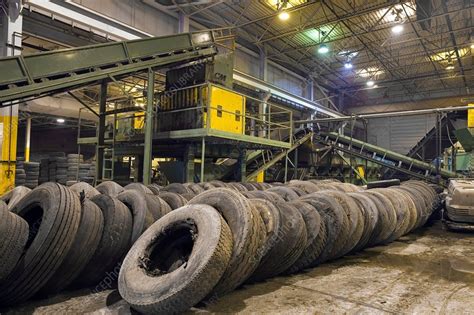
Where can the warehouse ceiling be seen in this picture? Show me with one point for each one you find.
(408, 49)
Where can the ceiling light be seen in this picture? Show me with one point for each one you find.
(60, 120)
(284, 16)
(370, 83)
(450, 66)
(348, 65)
(472, 46)
(323, 49)
(397, 29)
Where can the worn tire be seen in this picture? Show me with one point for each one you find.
(109, 188)
(53, 214)
(136, 203)
(174, 200)
(114, 242)
(14, 235)
(286, 193)
(314, 247)
(177, 188)
(140, 187)
(290, 242)
(157, 206)
(247, 232)
(336, 223)
(12, 197)
(387, 215)
(85, 189)
(267, 195)
(85, 244)
(152, 283)
(155, 189)
(369, 215)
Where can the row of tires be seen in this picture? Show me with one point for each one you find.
(199, 241)
(236, 233)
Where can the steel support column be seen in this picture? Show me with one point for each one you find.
(148, 128)
(203, 158)
(183, 23)
(189, 163)
(242, 162)
(10, 45)
(27, 139)
(101, 132)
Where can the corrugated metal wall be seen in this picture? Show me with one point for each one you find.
(285, 80)
(247, 63)
(399, 134)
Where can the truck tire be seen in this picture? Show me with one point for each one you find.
(177, 261)
(53, 214)
(174, 200)
(109, 188)
(12, 197)
(136, 203)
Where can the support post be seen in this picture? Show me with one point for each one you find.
(183, 23)
(286, 166)
(149, 128)
(242, 162)
(27, 139)
(189, 164)
(101, 132)
(295, 163)
(10, 45)
(203, 158)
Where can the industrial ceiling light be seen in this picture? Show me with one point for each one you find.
(370, 83)
(60, 120)
(284, 15)
(397, 29)
(450, 66)
(472, 46)
(348, 65)
(323, 49)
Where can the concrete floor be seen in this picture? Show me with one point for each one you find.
(431, 271)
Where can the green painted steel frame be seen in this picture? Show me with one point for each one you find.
(61, 70)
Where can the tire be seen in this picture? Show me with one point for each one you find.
(177, 188)
(140, 187)
(401, 212)
(247, 230)
(109, 188)
(354, 219)
(313, 249)
(85, 244)
(388, 216)
(286, 193)
(149, 289)
(370, 217)
(157, 206)
(271, 219)
(418, 203)
(336, 222)
(84, 189)
(306, 186)
(136, 203)
(53, 214)
(155, 189)
(14, 232)
(114, 242)
(195, 188)
(12, 197)
(290, 243)
(174, 200)
(267, 195)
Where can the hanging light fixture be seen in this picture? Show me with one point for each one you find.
(348, 65)
(370, 83)
(60, 120)
(397, 29)
(323, 49)
(284, 15)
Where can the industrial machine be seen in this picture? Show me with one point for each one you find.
(460, 205)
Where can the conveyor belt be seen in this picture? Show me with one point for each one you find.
(381, 156)
(45, 73)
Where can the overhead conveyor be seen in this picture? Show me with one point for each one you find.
(399, 162)
(47, 73)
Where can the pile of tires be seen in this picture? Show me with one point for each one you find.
(175, 246)
(32, 172)
(235, 233)
(56, 238)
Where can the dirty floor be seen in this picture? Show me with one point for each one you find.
(431, 271)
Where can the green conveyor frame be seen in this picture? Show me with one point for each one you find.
(46, 73)
(387, 154)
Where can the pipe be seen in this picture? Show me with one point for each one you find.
(383, 115)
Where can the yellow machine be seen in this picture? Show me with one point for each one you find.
(188, 108)
(470, 116)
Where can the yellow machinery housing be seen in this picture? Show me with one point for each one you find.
(188, 108)
(8, 142)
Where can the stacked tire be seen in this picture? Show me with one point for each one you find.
(44, 171)
(58, 167)
(20, 174)
(73, 166)
(32, 171)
